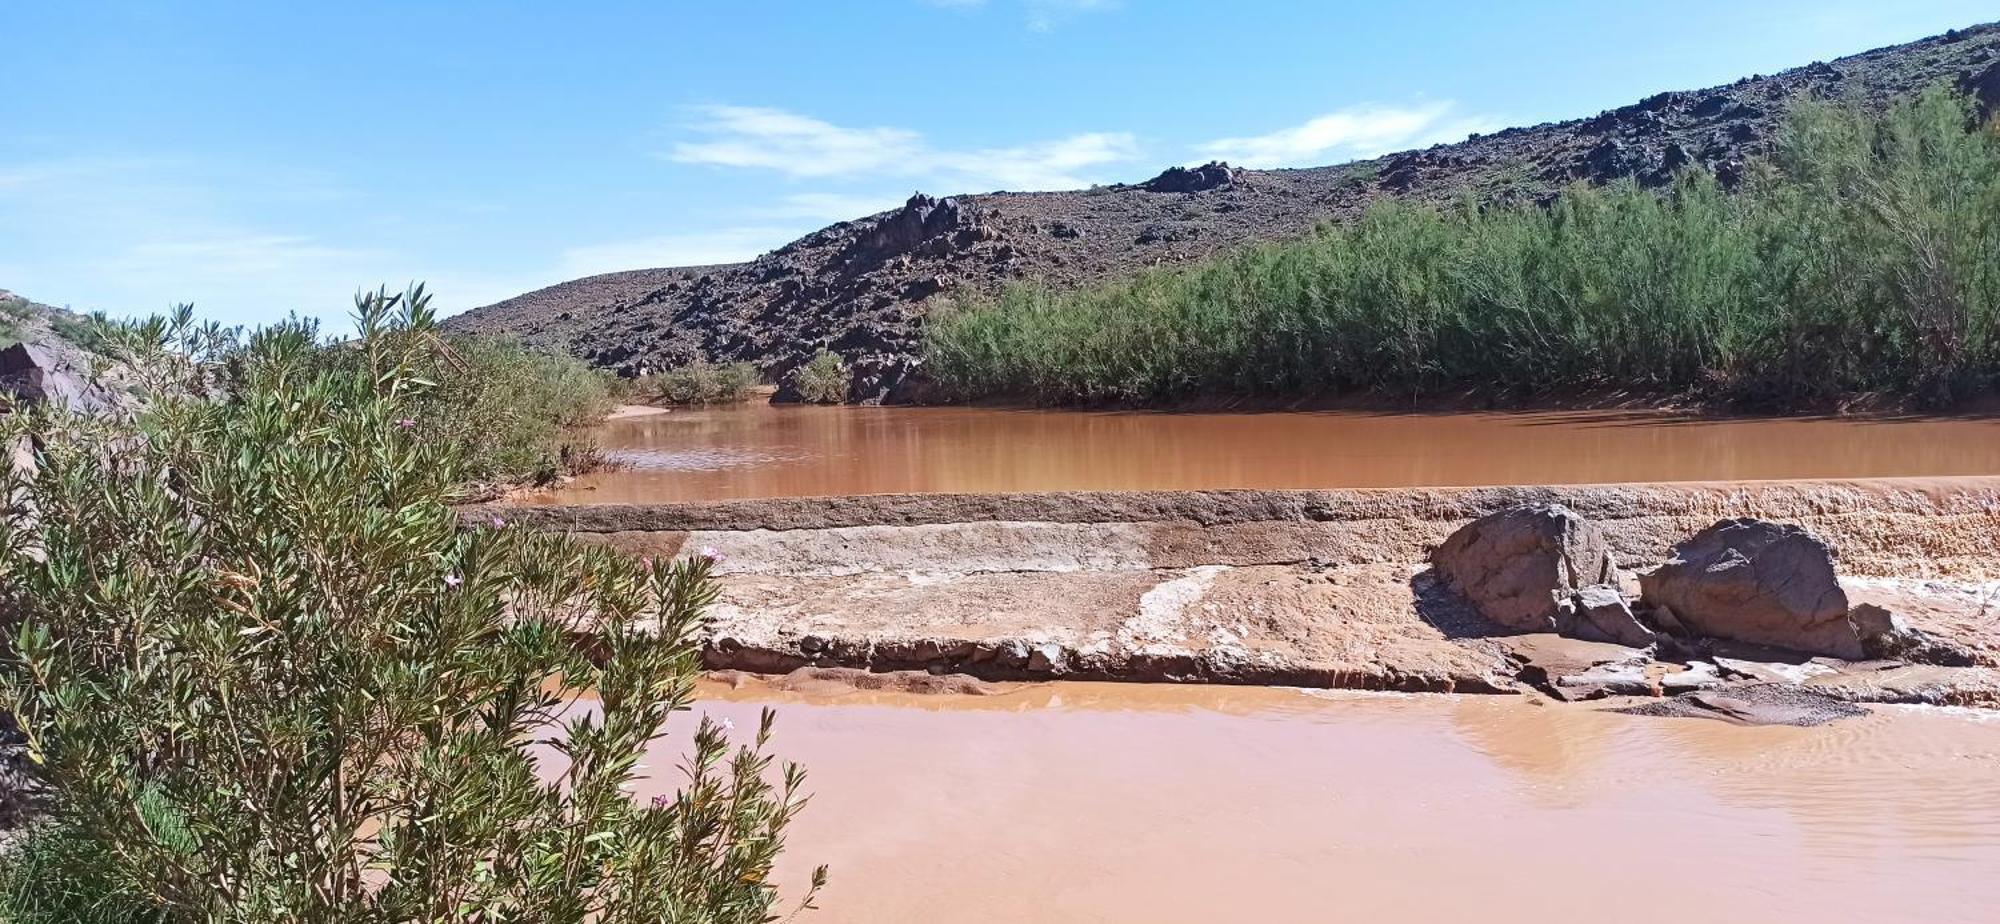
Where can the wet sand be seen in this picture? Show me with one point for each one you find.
(1086, 802)
(758, 450)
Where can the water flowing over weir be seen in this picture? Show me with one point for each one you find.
(1086, 801)
(759, 451)
(1306, 588)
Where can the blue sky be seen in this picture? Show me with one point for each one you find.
(260, 158)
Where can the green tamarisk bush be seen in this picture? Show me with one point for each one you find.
(700, 383)
(823, 379)
(1861, 257)
(269, 675)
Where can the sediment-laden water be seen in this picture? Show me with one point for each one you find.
(764, 451)
(1087, 802)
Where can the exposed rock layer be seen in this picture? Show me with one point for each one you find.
(1309, 588)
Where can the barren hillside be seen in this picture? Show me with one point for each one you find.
(862, 287)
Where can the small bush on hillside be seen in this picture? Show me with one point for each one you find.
(84, 331)
(1858, 260)
(270, 676)
(824, 379)
(518, 416)
(701, 383)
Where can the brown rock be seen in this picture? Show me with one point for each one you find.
(1887, 635)
(1573, 669)
(1756, 581)
(1601, 613)
(1518, 565)
(1757, 704)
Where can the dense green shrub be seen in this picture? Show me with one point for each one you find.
(823, 379)
(700, 383)
(520, 415)
(270, 675)
(1863, 257)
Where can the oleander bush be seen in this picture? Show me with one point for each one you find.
(1858, 259)
(269, 674)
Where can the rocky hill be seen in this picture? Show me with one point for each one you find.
(862, 287)
(50, 354)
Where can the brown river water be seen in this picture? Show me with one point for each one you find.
(1082, 802)
(1079, 802)
(758, 450)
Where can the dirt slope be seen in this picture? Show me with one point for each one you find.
(862, 287)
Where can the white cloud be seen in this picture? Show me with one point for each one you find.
(1354, 133)
(807, 148)
(750, 136)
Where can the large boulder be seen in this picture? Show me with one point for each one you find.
(1521, 565)
(33, 373)
(1756, 581)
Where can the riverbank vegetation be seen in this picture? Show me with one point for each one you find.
(267, 673)
(823, 379)
(1861, 258)
(699, 383)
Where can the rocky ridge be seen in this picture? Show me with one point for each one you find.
(862, 287)
(50, 354)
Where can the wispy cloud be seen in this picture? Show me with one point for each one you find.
(1353, 133)
(1044, 15)
(803, 147)
(136, 236)
(1040, 15)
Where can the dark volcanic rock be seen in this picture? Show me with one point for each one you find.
(888, 270)
(1212, 175)
(1756, 581)
(1985, 87)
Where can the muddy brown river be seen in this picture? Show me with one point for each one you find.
(1096, 803)
(764, 451)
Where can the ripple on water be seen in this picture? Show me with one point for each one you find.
(695, 460)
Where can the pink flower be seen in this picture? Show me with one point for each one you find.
(661, 801)
(406, 423)
(709, 552)
(499, 523)
(453, 580)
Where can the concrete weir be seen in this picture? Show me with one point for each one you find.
(1304, 588)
